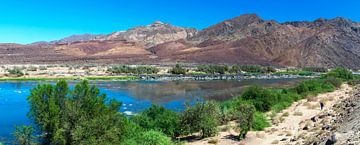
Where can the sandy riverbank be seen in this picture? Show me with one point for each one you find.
(296, 125)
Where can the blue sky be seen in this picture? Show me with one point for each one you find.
(26, 21)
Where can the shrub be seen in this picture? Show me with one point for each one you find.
(16, 72)
(150, 137)
(245, 113)
(159, 118)
(178, 69)
(314, 87)
(32, 68)
(315, 69)
(260, 121)
(24, 135)
(213, 69)
(341, 73)
(203, 117)
(120, 69)
(78, 116)
(42, 68)
(262, 98)
(333, 81)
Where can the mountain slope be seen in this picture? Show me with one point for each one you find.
(246, 39)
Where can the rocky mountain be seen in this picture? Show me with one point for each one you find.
(246, 39)
(153, 34)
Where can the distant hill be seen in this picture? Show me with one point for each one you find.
(246, 39)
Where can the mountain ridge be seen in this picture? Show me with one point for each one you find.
(246, 39)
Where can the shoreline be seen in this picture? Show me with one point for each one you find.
(159, 77)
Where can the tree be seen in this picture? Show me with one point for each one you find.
(159, 118)
(203, 117)
(178, 69)
(81, 116)
(150, 137)
(341, 73)
(245, 113)
(24, 135)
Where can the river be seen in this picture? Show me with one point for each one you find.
(135, 96)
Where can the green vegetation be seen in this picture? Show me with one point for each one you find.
(149, 138)
(84, 116)
(315, 69)
(341, 73)
(124, 69)
(17, 72)
(203, 117)
(79, 116)
(159, 118)
(223, 69)
(213, 69)
(24, 135)
(69, 78)
(178, 69)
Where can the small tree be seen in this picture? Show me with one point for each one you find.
(159, 118)
(245, 112)
(203, 117)
(24, 135)
(15, 72)
(178, 69)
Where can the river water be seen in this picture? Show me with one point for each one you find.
(135, 95)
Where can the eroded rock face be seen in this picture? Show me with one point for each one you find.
(153, 34)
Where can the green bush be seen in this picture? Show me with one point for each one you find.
(260, 121)
(314, 87)
(178, 69)
(340, 73)
(16, 72)
(213, 69)
(315, 69)
(245, 112)
(124, 69)
(149, 138)
(159, 118)
(262, 98)
(203, 118)
(333, 81)
(78, 116)
(24, 135)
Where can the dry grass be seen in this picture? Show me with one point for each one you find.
(298, 113)
(285, 114)
(315, 106)
(275, 142)
(260, 135)
(288, 133)
(307, 104)
(312, 99)
(213, 141)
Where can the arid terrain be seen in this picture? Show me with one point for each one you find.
(246, 39)
(304, 123)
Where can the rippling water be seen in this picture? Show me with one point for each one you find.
(135, 95)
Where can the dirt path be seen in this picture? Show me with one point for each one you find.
(292, 120)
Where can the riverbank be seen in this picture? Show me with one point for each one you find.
(159, 77)
(138, 72)
(291, 126)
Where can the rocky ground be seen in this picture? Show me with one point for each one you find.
(304, 123)
(345, 125)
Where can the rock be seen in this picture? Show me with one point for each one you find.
(331, 140)
(306, 128)
(314, 119)
(326, 127)
(284, 139)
